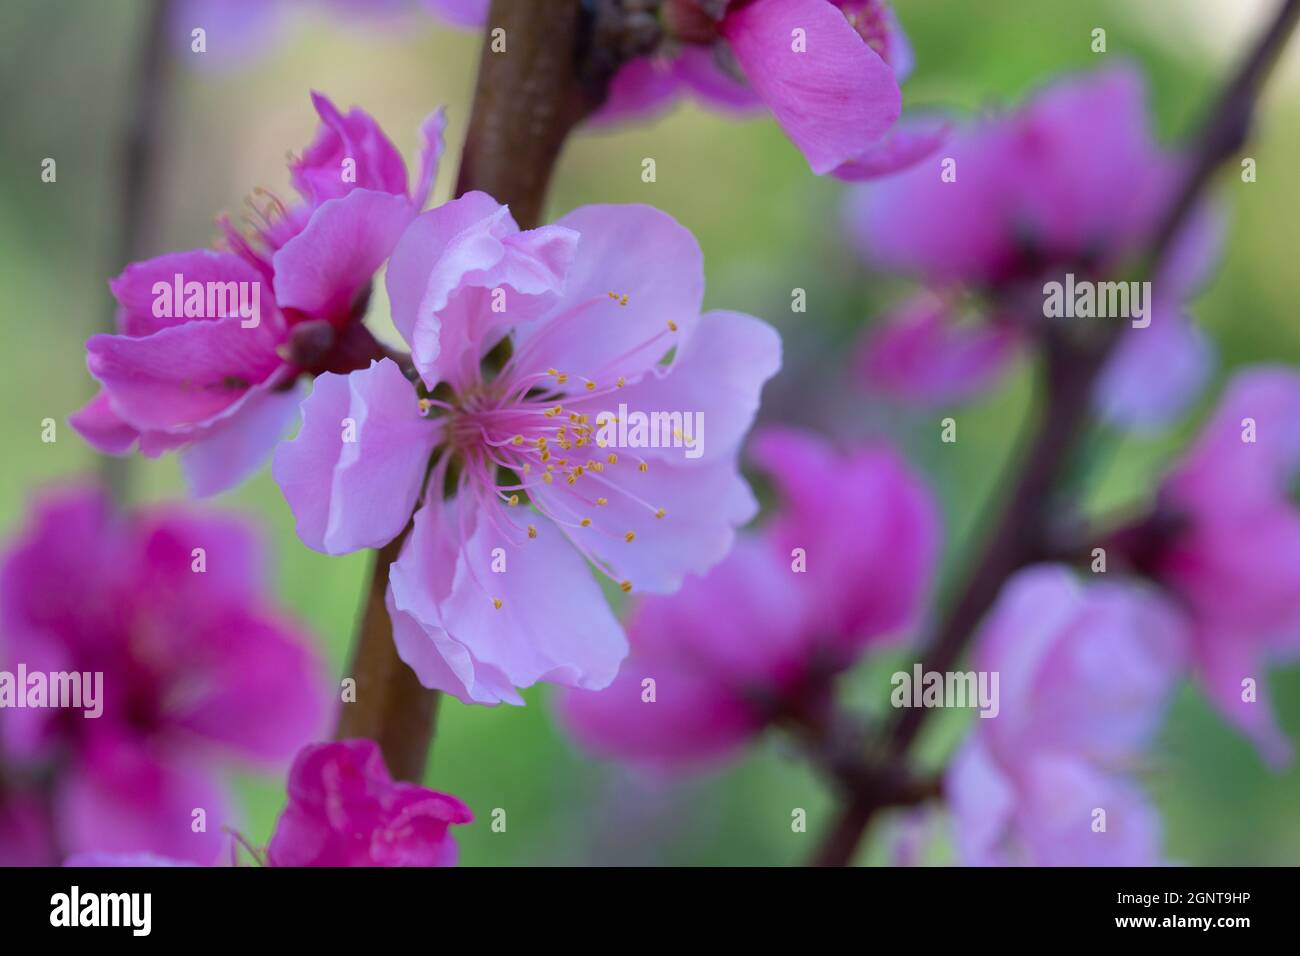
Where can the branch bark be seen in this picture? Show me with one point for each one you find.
(1069, 371)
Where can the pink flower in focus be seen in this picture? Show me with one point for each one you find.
(754, 638)
(220, 386)
(519, 489)
(345, 810)
(1072, 182)
(197, 668)
(1084, 676)
(1232, 551)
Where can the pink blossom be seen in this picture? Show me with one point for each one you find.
(220, 386)
(197, 668)
(1071, 182)
(763, 632)
(519, 489)
(345, 810)
(1232, 551)
(1084, 677)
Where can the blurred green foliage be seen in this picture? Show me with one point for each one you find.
(766, 226)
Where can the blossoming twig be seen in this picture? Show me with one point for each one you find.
(1069, 369)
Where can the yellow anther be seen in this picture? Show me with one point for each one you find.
(660, 513)
(424, 405)
(629, 537)
(572, 479)
(602, 501)
(623, 300)
(545, 455)
(546, 478)
(621, 381)
(552, 371)
(496, 603)
(586, 522)
(512, 500)
(612, 459)
(625, 586)
(517, 440)
(598, 466)
(532, 531)
(591, 386)
(561, 378)
(672, 326)
(528, 466)
(643, 467)
(541, 441)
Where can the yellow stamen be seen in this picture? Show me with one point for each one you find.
(629, 537)
(625, 586)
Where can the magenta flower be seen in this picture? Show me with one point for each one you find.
(211, 343)
(525, 476)
(1084, 676)
(345, 810)
(1226, 541)
(196, 668)
(1071, 183)
(25, 837)
(844, 566)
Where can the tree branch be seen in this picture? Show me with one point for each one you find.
(1070, 369)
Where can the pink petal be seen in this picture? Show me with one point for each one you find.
(553, 623)
(835, 99)
(920, 353)
(320, 174)
(321, 271)
(589, 333)
(354, 472)
(102, 427)
(431, 138)
(230, 450)
(134, 288)
(912, 140)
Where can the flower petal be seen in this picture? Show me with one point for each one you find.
(354, 472)
(834, 98)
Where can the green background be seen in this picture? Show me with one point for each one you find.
(766, 226)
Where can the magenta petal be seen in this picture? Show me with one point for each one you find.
(354, 472)
(122, 799)
(322, 270)
(102, 427)
(135, 290)
(920, 353)
(834, 99)
(867, 586)
(183, 375)
(639, 89)
(699, 68)
(345, 810)
(100, 859)
(1226, 659)
(349, 152)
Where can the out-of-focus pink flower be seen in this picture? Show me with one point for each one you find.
(1084, 677)
(189, 371)
(845, 564)
(123, 860)
(1072, 182)
(345, 810)
(493, 589)
(1232, 555)
(198, 668)
(25, 836)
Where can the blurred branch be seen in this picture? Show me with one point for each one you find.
(137, 172)
(555, 66)
(1069, 369)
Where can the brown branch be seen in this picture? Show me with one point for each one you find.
(1069, 370)
(528, 99)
